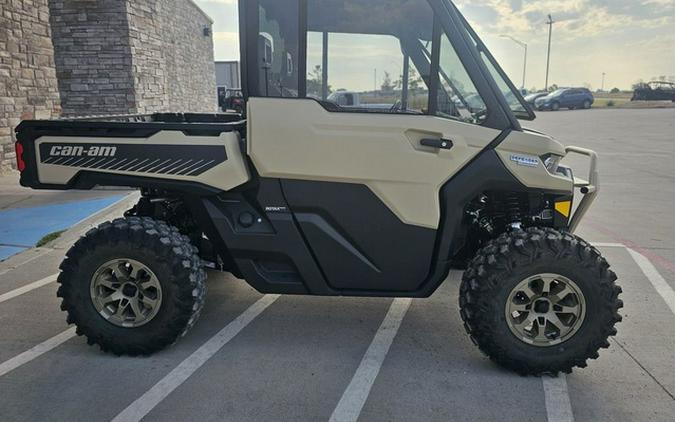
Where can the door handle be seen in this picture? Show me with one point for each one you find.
(437, 143)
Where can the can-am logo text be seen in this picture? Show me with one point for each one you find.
(79, 151)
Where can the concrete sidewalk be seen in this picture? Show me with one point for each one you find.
(27, 215)
(13, 195)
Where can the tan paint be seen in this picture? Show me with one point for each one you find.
(534, 145)
(225, 176)
(299, 139)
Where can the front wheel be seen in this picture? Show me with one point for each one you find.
(133, 286)
(555, 106)
(540, 301)
(587, 105)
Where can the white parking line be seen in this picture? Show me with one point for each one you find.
(660, 284)
(608, 245)
(27, 288)
(36, 351)
(355, 396)
(557, 398)
(144, 404)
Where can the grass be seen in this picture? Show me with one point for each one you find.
(608, 100)
(49, 238)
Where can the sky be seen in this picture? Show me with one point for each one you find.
(628, 40)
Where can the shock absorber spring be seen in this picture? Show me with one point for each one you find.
(513, 206)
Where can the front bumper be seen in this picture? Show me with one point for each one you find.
(588, 188)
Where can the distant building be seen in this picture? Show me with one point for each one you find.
(228, 75)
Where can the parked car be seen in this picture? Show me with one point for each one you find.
(570, 98)
(535, 96)
(655, 91)
(231, 99)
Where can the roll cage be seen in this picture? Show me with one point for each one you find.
(476, 59)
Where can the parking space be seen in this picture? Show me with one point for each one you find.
(268, 358)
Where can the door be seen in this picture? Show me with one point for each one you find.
(363, 182)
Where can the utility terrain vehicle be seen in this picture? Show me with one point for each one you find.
(302, 196)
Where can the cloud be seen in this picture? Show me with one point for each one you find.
(575, 18)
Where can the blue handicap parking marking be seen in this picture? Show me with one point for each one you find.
(22, 228)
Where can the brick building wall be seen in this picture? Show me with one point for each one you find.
(91, 43)
(148, 57)
(28, 87)
(133, 56)
(94, 57)
(188, 52)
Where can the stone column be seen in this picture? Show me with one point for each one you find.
(28, 86)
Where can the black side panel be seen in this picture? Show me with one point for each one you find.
(358, 242)
(267, 247)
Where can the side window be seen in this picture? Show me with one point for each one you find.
(278, 48)
(458, 97)
(367, 56)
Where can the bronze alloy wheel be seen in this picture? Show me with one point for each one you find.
(126, 293)
(545, 310)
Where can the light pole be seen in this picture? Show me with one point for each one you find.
(550, 23)
(603, 82)
(524, 45)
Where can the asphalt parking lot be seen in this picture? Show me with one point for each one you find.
(269, 358)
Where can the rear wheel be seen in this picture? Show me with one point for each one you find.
(540, 301)
(133, 286)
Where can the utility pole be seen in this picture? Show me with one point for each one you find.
(550, 23)
(524, 45)
(603, 82)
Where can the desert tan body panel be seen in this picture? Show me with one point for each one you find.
(533, 145)
(226, 174)
(299, 139)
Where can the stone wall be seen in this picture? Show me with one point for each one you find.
(91, 42)
(133, 56)
(96, 57)
(28, 87)
(148, 57)
(188, 52)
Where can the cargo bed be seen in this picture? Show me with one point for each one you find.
(163, 150)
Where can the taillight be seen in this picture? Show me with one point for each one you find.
(20, 164)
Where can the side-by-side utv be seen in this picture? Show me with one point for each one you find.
(430, 170)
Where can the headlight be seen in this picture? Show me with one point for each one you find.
(551, 162)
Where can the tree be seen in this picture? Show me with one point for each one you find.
(415, 81)
(315, 82)
(387, 85)
(615, 91)
(553, 87)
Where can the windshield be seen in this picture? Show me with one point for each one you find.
(556, 93)
(514, 98)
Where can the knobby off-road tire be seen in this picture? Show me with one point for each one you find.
(162, 251)
(503, 264)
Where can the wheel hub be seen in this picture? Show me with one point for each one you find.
(129, 290)
(126, 293)
(545, 310)
(542, 306)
